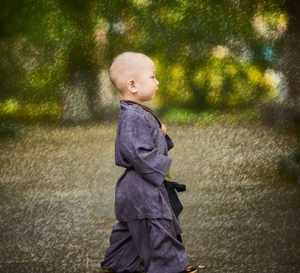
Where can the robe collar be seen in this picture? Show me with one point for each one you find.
(146, 108)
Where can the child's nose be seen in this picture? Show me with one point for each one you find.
(157, 82)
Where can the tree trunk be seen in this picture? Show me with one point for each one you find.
(291, 50)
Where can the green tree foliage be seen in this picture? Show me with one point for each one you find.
(208, 53)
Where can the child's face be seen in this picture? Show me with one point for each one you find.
(145, 82)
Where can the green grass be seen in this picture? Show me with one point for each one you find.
(207, 117)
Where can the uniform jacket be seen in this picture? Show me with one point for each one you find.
(141, 148)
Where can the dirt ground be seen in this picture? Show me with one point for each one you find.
(57, 194)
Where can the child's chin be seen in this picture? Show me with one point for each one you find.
(150, 98)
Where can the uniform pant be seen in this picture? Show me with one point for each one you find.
(145, 245)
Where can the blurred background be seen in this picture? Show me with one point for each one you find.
(209, 54)
(229, 79)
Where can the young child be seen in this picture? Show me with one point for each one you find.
(145, 238)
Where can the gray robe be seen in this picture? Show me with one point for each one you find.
(140, 241)
(142, 149)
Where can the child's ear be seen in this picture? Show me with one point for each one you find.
(132, 86)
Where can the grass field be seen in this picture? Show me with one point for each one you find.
(57, 192)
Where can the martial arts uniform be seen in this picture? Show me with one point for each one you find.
(145, 238)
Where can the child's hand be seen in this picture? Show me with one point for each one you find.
(163, 128)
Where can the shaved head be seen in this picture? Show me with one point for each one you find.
(126, 66)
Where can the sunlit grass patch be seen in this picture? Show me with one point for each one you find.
(186, 116)
(15, 109)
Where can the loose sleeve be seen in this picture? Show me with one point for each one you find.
(138, 148)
